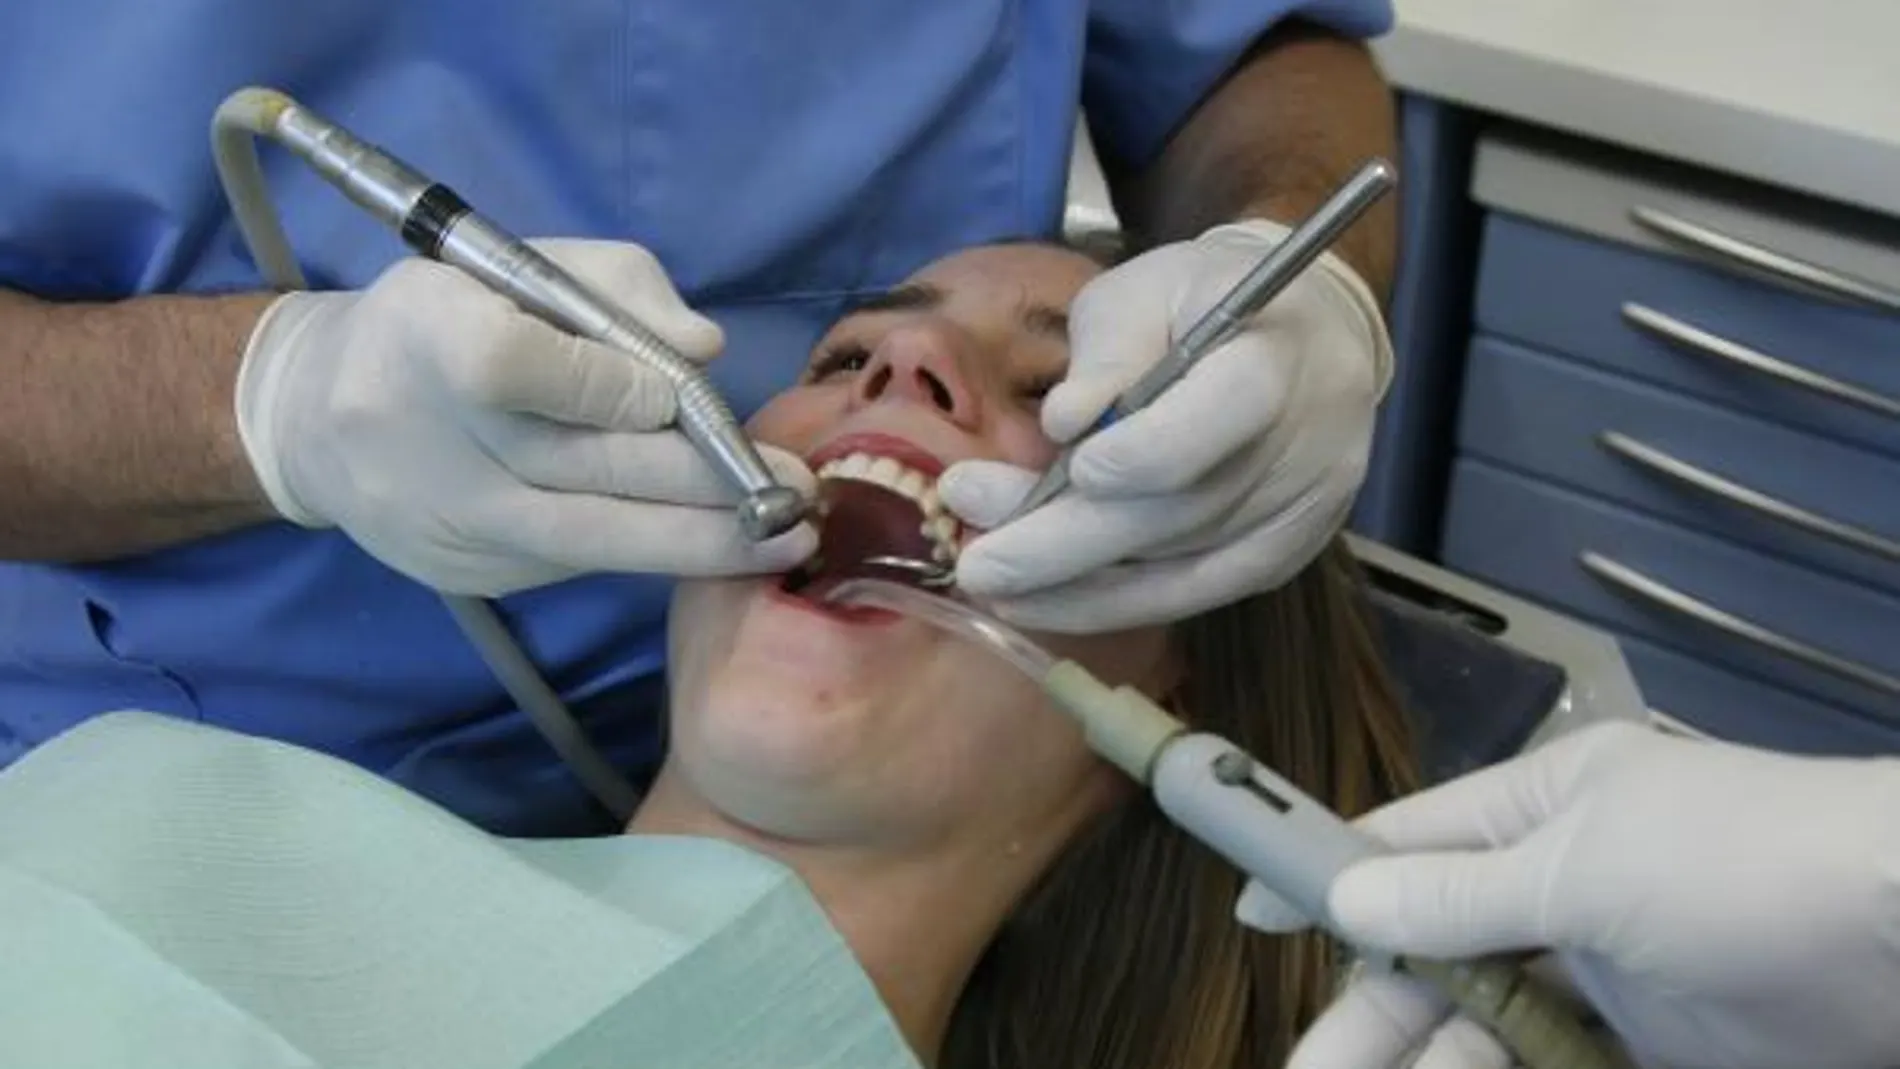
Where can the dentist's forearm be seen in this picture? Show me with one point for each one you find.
(1297, 116)
(117, 429)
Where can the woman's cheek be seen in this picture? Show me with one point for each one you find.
(793, 421)
(1024, 444)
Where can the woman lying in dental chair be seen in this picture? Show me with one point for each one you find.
(869, 842)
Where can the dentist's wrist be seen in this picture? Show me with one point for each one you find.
(264, 379)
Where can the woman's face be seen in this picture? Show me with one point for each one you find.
(807, 723)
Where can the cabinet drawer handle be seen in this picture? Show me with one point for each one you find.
(1671, 329)
(1675, 725)
(1735, 493)
(1635, 582)
(1791, 273)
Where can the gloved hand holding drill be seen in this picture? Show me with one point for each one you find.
(481, 451)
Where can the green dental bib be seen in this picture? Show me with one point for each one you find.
(180, 897)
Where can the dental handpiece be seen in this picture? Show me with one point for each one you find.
(434, 221)
(1266, 280)
(1257, 820)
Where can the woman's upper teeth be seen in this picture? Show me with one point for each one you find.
(890, 474)
(939, 526)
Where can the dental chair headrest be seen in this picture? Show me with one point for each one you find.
(1473, 700)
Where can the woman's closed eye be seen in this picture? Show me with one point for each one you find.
(841, 357)
(1033, 388)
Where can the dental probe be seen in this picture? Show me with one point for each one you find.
(437, 223)
(1267, 279)
(1256, 819)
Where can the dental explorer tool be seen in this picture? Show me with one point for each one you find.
(1255, 819)
(1265, 281)
(437, 223)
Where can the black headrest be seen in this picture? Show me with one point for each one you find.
(1473, 700)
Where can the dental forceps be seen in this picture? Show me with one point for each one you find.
(437, 223)
(1268, 278)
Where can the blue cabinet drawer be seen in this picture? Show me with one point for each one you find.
(1789, 493)
(1809, 632)
(1748, 711)
(1761, 349)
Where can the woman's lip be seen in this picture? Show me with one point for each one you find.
(907, 453)
(857, 615)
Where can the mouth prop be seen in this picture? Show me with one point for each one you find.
(870, 507)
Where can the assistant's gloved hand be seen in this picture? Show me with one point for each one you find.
(481, 451)
(1225, 486)
(1718, 905)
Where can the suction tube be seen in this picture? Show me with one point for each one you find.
(1119, 723)
(1264, 825)
(954, 616)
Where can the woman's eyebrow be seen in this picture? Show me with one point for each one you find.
(1043, 319)
(910, 297)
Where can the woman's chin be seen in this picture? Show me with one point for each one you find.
(794, 724)
(782, 755)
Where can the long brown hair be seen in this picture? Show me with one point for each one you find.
(1126, 954)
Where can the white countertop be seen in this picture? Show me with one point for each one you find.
(1803, 94)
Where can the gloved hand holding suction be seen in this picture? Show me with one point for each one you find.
(480, 450)
(1719, 905)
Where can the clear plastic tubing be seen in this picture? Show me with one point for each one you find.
(952, 616)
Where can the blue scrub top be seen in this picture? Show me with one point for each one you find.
(777, 158)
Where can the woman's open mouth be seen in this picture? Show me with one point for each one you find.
(871, 506)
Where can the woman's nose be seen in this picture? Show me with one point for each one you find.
(919, 364)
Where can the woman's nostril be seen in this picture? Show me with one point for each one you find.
(939, 393)
(880, 379)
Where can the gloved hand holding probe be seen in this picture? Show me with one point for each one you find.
(1718, 905)
(481, 451)
(1225, 485)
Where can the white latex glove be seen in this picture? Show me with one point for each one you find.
(1718, 905)
(479, 450)
(1225, 486)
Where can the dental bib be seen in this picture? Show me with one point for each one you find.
(180, 897)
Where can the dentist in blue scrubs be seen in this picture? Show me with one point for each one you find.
(236, 506)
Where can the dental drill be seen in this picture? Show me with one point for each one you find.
(1256, 820)
(435, 222)
(438, 224)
